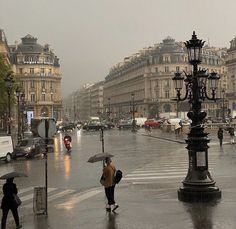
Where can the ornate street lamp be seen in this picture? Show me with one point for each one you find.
(18, 96)
(198, 184)
(223, 105)
(109, 109)
(23, 113)
(9, 82)
(133, 114)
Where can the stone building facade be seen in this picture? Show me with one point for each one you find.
(148, 75)
(231, 67)
(37, 71)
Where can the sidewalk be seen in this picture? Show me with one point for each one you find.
(180, 138)
(148, 205)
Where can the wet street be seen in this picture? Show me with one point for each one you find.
(71, 170)
(153, 169)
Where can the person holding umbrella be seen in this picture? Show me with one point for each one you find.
(8, 203)
(8, 200)
(109, 184)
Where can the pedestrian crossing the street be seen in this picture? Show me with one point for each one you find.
(166, 168)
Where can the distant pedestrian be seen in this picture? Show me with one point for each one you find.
(220, 135)
(148, 129)
(109, 184)
(9, 203)
(177, 128)
(232, 135)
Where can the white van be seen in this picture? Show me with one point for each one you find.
(6, 148)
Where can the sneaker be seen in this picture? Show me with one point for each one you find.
(108, 208)
(18, 227)
(115, 207)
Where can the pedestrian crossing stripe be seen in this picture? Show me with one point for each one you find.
(71, 196)
(163, 169)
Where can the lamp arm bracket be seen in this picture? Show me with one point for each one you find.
(213, 95)
(185, 96)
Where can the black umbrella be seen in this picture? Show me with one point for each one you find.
(12, 175)
(99, 157)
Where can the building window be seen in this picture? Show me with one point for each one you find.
(43, 97)
(156, 69)
(31, 70)
(43, 84)
(32, 83)
(167, 95)
(42, 71)
(167, 83)
(32, 97)
(166, 59)
(177, 68)
(51, 97)
(50, 72)
(21, 70)
(166, 69)
(50, 84)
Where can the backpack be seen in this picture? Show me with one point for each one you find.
(118, 176)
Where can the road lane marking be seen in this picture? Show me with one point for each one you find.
(150, 178)
(30, 196)
(21, 191)
(61, 194)
(77, 198)
(53, 197)
(154, 174)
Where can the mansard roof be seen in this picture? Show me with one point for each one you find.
(29, 45)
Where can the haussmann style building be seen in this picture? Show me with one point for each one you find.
(145, 78)
(37, 71)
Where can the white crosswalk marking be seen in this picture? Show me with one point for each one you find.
(165, 168)
(63, 198)
(30, 196)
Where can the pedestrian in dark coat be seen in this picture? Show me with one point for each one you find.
(9, 203)
(220, 135)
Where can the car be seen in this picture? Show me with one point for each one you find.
(93, 125)
(124, 124)
(152, 123)
(28, 147)
(6, 148)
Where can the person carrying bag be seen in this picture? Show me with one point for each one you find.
(10, 201)
(109, 184)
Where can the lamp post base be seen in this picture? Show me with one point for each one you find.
(199, 194)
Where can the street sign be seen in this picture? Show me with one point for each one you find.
(42, 128)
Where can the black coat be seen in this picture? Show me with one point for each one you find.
(8, 201)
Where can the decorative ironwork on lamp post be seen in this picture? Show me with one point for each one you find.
(9, 82)
(198, 184)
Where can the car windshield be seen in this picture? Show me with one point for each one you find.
(24, 143)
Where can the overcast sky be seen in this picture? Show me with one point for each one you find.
(90, 36)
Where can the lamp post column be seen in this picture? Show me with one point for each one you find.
(133, 114)
(18, 115)
(223, 106)
(9, 84)
(9, 111)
